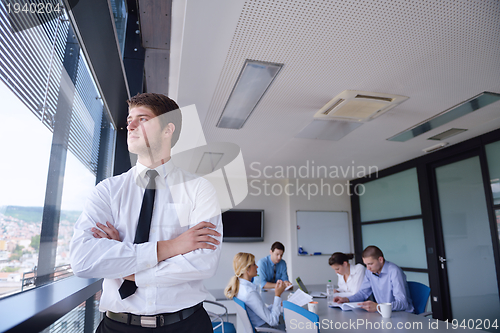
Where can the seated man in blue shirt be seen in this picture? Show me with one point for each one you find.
(272, 268)
(385, 279)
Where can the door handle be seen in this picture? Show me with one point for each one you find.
(442, 260)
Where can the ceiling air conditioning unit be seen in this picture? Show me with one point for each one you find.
(358, 106)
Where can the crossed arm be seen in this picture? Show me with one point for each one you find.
(198, 237)
(178, 256)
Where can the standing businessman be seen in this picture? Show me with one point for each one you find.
(152, 232)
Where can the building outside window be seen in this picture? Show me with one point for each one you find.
(57, 143)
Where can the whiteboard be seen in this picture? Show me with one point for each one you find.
(325, 232)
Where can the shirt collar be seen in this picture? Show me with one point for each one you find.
(247, 283)
(383, 270)
(163, 171)
(353, 270)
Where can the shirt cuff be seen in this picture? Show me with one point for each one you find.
(277, 302)
(146, 258)
(355, 298)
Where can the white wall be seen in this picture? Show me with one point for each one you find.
(315, 269)
(276, 228)
(280, 225)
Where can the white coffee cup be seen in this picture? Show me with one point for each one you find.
(313, 307)
(385, 309)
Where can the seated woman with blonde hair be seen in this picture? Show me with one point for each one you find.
(241, 286)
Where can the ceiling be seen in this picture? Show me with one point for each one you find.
(437, 53)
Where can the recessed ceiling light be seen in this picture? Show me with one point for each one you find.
(457, 111)
(435, 147)
(253, 82)
(327, 130)
(208, 163)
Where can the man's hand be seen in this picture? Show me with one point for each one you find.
(340, 300)
(106, 231)
(109, 231)
(287, 283)
(201, 236)
(369, 306)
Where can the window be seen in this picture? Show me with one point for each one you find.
(23, 177)
(57, 143)
(119, 8)
(493, 157)
(391, 219)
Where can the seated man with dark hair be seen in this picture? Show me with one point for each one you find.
(385, 279)
(273, 268)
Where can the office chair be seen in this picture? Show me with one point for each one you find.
(218, 323)
(241, 310)
(298, 319)
(419, 294)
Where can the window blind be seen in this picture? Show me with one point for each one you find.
(31, 65)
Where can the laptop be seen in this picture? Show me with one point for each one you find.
(302, 287)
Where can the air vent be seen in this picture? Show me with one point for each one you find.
(447, 134)
(358, 106)
(333, 106)
(385, 99)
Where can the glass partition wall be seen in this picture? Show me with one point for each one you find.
(468, 259)
(391, 219)
(493, 157)
(438, 218)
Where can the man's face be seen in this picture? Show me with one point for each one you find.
(144, 132)
(374, 265)
(276, 256)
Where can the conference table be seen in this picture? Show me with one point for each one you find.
(356, 320)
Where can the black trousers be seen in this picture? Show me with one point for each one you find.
(198, 322)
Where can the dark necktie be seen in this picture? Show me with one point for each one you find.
(274, 275)
(142, 233)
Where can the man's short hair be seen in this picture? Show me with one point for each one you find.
(279, 246)
(372, 251)
(160, 104)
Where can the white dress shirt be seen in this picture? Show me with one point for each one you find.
(258, 312)
(354, 281)
(167, 286)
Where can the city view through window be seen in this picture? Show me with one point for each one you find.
(26, 146)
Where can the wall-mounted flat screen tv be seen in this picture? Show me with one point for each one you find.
(243, 225)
